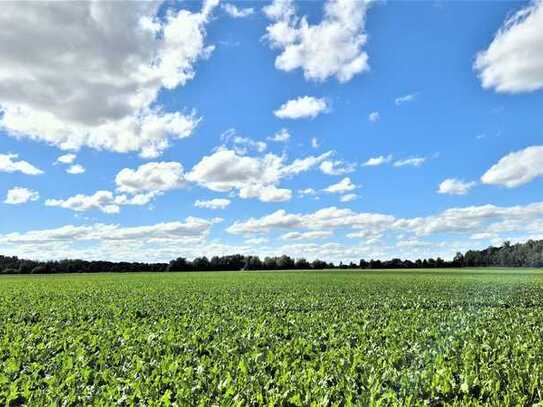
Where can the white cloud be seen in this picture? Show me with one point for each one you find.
(348, 197)
(464, 222)
(259, 146)
(307, 192)
(314, 142)
(345, 185)
(453, 186)
(326, 218)
(192, 227)
(315, 234)
(217, 203)
(302, 108)
(405, 99)
(9, 163)
(89, 73)
(104, 201)
(329, 167)
(101, 200)
(236, 12)
(256, 241)
(282, 136)
(241, 144)
(331, 48)
(517, 168)
(66, 159)
(375, 161)
(513, 62)
(20, 195)
(76, 169)
(153, 177)
(252, 177)
(374, 117)
(412, 162)
(265, 193)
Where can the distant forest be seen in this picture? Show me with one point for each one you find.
(529, 254)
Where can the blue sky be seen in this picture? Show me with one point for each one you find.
(165, 116)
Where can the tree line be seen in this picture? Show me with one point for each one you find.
(529, 254)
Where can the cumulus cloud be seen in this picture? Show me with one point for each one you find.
(91, 72)
(302, 108)
(307, 192)
(332, 48)
(241, 144)
(374, 117)
(10, 163)
(405, 99)
(76, 169)
(337, 167)
(236, 12)
(375, 161)
(153, 177)
(252, 177)
(513, 62)
(282, 136)
(345, 185)
(412, 162)
(517, 168)
(348, 197)
(66, 159)
(103, 201)
(217, 203)
(453, 186)
(464, 222)
(20, 195)
(326, 218)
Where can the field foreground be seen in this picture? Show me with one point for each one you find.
(460, 337)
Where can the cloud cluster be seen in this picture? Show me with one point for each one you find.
(235, 12)
(332, 48)
(374, 117)
(251, 177)
(411, 162)
(69, 159)
(153, 177)
(513, 62)
(336, 167)
(282, 136)
(217, 203)
(305, 107)
(375, 161)
(75, 169)
(78, 74)
(410, 97)
(20, 195)
(10, 163)
(191, 228)
(453, 186)
(343, 186)
(66, 159)
(517, 168)
(469, 220)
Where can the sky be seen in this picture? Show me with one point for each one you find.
(336, 129)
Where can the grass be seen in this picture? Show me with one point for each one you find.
(438, 337)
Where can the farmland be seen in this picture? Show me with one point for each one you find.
(453, 337)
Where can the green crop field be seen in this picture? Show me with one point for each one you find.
(454, 337)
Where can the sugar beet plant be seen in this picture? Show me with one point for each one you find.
(462, 338)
